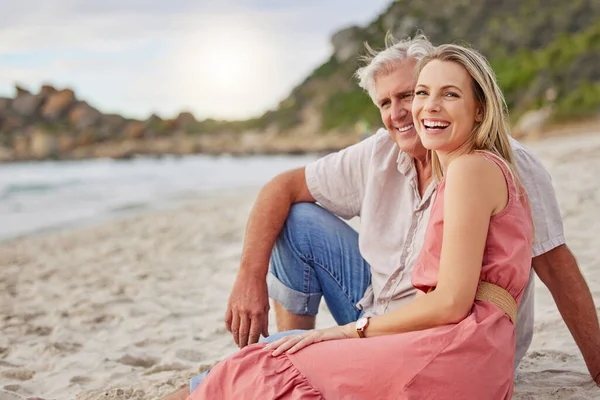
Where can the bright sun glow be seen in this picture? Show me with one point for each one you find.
(226, 71)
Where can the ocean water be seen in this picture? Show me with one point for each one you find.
(40, 196)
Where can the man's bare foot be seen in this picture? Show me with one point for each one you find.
(179, 395)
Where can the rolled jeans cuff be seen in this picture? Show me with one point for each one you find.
(295, 302)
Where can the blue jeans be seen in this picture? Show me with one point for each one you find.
(315, 256)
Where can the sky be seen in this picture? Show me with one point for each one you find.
(227, 59)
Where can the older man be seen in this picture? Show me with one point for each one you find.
(386, 180)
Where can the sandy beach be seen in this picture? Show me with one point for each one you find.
(130, 309)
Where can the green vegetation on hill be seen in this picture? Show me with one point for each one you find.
(533, 45)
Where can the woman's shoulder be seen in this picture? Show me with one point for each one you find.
(477, 177)
(476, 167)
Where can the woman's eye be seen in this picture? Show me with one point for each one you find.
(451, 94)
(420, 93)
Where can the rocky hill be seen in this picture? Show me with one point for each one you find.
(546, 54)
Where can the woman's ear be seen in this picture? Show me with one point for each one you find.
(479, 114)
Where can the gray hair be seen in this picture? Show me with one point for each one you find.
(386, 61)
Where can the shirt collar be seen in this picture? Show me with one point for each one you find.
(405, 162)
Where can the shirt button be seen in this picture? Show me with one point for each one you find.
(409, 250)
(394, 280)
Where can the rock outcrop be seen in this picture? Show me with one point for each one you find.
(54, 124)
(536, 47)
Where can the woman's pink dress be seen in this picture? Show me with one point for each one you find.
(472, 359)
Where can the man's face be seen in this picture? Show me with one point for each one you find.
(393, 96)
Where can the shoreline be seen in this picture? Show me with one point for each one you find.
(252, 144)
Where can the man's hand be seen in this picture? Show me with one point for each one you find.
(247, 314)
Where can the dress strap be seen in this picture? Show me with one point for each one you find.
(511, 180)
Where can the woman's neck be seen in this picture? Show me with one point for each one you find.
(446, 157)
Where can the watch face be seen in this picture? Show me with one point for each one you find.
(361, 323)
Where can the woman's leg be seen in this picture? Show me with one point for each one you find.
(196, 380)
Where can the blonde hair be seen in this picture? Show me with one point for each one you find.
(492, 133)
(385, 61)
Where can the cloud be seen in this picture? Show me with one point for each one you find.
(143, 56)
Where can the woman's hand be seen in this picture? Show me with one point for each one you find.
(293, 343)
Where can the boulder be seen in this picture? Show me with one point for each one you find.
(6, 154)
(404, 27)
(57, 105)
(83, 116)
(42, 144)
(346, 43)
(186, 145)
(65, 143)
(85, 137)
(134, 130)
(47, 90)
(121, 150)
(170, 126)
(186, 120)
(5, 104)
(12, 123)
(27, 104)
(20, 145)
(21, 90)
(109, 126)
(155, 125)
(531, 123)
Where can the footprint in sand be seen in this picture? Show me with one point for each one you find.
(8, 365)
(554, 355)
(81, 380)
(9, 396)
(12, 388)
(190, 355)
(39, 330)
(63, 348)
(166, 367)
(142, 361)
(17, 374)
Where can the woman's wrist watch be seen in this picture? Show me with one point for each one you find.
(361, 325)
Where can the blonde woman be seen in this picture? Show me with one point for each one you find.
(456, 339)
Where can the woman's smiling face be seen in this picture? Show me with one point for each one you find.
(445, 111)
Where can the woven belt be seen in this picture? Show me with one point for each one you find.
(496, 295)
(500, 297)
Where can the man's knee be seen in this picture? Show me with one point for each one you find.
(290, 282)
(305, 221)
(307, 216)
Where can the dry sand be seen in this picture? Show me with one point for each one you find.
(130, 309)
